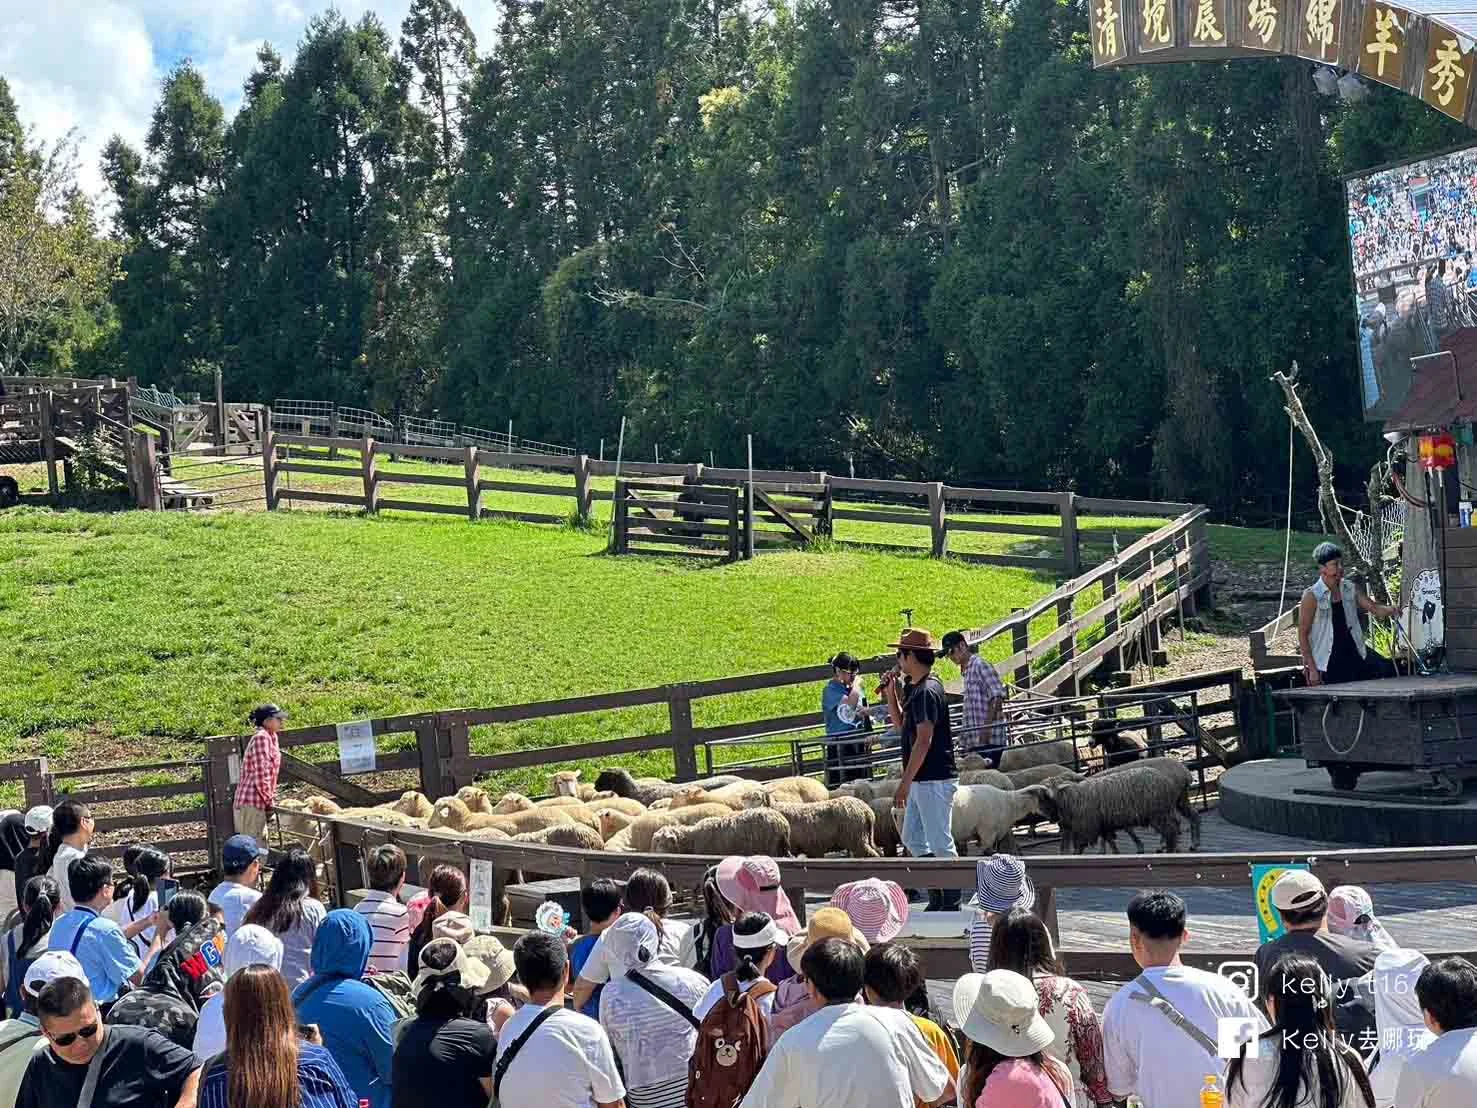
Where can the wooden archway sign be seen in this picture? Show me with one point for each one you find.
(1426, 49)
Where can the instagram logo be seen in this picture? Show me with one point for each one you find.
(1235, 1033)
(1243, 975)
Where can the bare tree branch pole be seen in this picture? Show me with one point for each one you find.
(1328, 506)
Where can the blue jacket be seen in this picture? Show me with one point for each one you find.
(356, 1019)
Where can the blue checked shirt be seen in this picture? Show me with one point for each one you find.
(981, 685)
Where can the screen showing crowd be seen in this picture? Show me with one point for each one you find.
(1412, 233)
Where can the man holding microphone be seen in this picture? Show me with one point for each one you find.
(919, 708)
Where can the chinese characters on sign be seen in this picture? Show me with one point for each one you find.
(1207, 30)
(1321, 29)
(1448, 74)
(1109, 38)
(1157, 31)
(1382, 46)
(1261, 22)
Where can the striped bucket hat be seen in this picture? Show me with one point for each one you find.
(1001, 884)
(878, 909)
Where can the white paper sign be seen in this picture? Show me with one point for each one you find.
(233, 768)
(481, 895)
(356, 747)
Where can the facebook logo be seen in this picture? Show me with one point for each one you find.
(1232, 1033)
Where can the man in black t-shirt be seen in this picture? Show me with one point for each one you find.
(137, 1068)
(920, 711)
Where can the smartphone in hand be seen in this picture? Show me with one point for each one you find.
(167, 887)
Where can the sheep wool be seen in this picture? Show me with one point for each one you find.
(752, 831)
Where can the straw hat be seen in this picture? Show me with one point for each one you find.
(916, 638)
(827, 923)
(443, 957)
(999, 1010)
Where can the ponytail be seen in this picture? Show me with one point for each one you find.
(42, 896)
(149, 866)
(65, 820)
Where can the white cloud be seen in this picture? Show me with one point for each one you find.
(95, 65)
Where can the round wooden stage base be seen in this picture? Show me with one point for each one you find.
(1263, 795)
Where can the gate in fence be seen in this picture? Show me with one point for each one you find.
(652, 516)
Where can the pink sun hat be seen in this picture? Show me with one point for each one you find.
(753, 885)
(878, 909)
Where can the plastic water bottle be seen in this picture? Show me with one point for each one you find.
(1211, 1096)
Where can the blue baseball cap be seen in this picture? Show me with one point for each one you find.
(240, 851)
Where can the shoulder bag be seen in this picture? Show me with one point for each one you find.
(514, 1047)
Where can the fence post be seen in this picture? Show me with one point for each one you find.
(433, 742)
(749, 521)
(1020, 640)
(619, 520)
(583, 504)
(826, 524)
(459, 747)
(474, 493)
(937, 522)
(684, 753)
(146, 491)
(371, 478)
(1200, 533)
(220, 412)
(1071, 555)
(1069, 644)
(48, 441)
(269, 460)
(222, 822)
(733, 525)
(36, 780)
(1111, 623)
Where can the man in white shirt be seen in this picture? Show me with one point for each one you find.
(389, 920)
(241, 859)
(848, 1055)
(1444, 1075)
(1146, 1047)
(567, 1062)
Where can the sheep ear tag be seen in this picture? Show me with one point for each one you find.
(550, 918)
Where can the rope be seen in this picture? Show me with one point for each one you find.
(1358, 731)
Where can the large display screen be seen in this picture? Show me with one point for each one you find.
(1413, 234)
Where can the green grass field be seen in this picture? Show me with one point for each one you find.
(130, 636)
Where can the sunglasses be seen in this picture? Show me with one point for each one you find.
(72, 1036)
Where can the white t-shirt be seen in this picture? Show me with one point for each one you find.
(121, 912)
(235, 900)
(1444, 1075)
(850, 1054)
(669, 949)
(567, 1063)
(65, 856)
(715, 991)
(210, 1029)
(1147, 1054)
(1259, 1075)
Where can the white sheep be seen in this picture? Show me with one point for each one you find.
(989, 814)
(843, 824)
(1050, 751)
(986, 777)
(643, 827)
(575, 835)
(752, 831)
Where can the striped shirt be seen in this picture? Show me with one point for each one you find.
(979, 943)
(389, 920)
(320, 1082)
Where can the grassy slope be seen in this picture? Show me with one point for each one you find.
(131, 635)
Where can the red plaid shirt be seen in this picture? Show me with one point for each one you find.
(257, 787)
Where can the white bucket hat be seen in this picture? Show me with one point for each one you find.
(999, 1010)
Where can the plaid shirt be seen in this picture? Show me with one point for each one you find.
(981, 685)
(257, 787)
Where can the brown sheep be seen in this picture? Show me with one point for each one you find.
(843, 824)
(1039, 775)
(451, 813)
(884, 827)
(752, 831)
(575, 835)
(613, 821)
(644, 827)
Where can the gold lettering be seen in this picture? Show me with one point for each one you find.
(1205, 27)
(1382, 47)
(1107, 30)
(1156, 29)
(1320, 23)
(1447, 71)
(1262, 19)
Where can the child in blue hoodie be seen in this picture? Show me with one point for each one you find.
(356, 1020)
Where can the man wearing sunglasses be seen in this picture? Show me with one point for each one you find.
(90, 1064)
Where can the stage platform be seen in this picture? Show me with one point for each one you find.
(1283, 796)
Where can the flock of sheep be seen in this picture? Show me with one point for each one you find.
(790, 816)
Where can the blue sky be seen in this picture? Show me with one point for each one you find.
(95, 65)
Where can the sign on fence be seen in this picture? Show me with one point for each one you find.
(481, 895)
(356, 747)
(1268, 920)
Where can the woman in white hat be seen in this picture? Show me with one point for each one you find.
(444, 1039)
(758, 941)
(1005, 1061)
(647, 1011)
